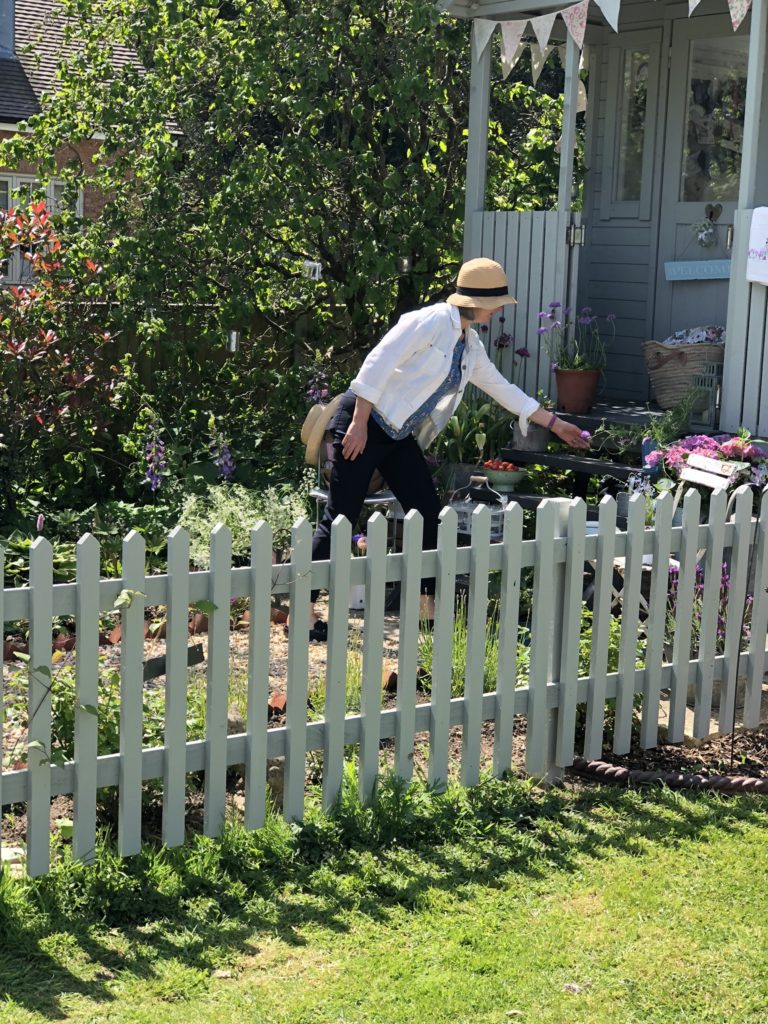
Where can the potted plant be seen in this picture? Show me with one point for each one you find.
(577, 352)
(475, 433)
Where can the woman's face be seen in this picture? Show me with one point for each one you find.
(484, 315)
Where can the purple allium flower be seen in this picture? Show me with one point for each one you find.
(504, 341)
(611, 317)
(567, 311)
(502, 318)
(40, 523)
(522, 352)
(544, 313)
(484, 328)
(543, 330)
(554, 305)
(586, 310)
(154, 453)
(585, 434)
(585, 320)
(223, 460)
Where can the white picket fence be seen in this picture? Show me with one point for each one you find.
(562, 545)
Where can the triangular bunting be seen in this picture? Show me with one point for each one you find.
(511, 34)
(575, 19)
(610, 9)
(538, 60)
(738, 9)
(542, 27)
(692, 5)
(483, 29)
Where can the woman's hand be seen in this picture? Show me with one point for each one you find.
(355, 440)
(571, 434)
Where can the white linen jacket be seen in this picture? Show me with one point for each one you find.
(413, 359)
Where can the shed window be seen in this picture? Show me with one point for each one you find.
(18, 189)
(634, 102)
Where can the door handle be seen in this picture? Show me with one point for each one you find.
(729, 238)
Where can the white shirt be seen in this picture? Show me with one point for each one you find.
(413, 359)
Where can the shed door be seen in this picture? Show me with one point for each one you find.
(702, 161)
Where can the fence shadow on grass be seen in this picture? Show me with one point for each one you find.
(212, 901)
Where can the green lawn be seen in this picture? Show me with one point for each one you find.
(497, 905)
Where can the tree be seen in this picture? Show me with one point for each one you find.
(255, 134)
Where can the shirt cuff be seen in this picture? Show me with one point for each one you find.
(365, 391)
(528, 410)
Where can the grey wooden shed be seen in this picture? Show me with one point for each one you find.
(677, 127)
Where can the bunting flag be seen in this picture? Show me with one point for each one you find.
(692, 5)
(539, 56)
(610, 9)
(542, 27)
(738, 9)
(575, 19)
(511, 34)
(483, 29)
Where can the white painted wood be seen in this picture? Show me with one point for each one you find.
(87, 690)
(571, 634)
(336, 665)
(737, 593)
(657, 614)
(477, 615)
(630, 614)
(601, 621)
(568, 136)
(441, 650)
(408, 652)
(759, 626)
(543, 639)
(737, 322)
(177, 639)
(298, 671)
(713, 559)
(754, 121)
(2, 684)
(217, 682)
(509, 612)
(260, 608)
(477, 139)
(373, 645)
(131, 695)
(39, 750)
(681, 647)
(755, 403)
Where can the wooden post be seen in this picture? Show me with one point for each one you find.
(477, 140)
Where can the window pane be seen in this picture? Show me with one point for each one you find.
(632, 125)
(714, 119)
(5, 193)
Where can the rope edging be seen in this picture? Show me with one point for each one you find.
(602, 771)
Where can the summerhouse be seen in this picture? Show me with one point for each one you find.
(676, 147)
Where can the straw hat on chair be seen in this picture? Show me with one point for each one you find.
(314, 427)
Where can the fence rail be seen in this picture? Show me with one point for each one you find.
(549, 698)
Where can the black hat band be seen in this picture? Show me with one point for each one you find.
(480, 292)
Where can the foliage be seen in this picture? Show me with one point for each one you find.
(240, 509)
(228, 162)
(750, 460)
(475, 432)
(724, 609)
(660, 430)
(573, 342)
(56, 377)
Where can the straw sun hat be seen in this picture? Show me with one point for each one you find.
(481, 284)
(314, 427)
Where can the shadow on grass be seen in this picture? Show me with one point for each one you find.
(208, 902)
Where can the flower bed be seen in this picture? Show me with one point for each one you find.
(671, 459)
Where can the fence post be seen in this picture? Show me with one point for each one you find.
(131, 692)
(713, 561)
(509, 614)
(657, 617)
(602, 602)
(546, 639)
(630, 618)
(39, 733)
(87, 687)
(217, 681)
(568, 673)
(336, 664)
(177, 639)
(259, 607)
(299, 590)
(681, 647)
(737, 595)
(407, 657)
(442, 644)
(759, 626)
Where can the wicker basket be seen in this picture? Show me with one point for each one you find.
(672, 369)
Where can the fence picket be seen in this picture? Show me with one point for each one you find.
(509, 613)
(131, 687)
(217, 682)
(713, 560)
(408, 652)
(259, 608)
(630, 617)
(602, 602)
(571, 633)
(657, 616)
(442, 643)
(737, 595)
(336, 665)
(477, 617)
(542, 638)
(373, 644)
(39, 729)
(299, 591)
(87, 698)
(759, 626)
(176, 672)
(681, 647)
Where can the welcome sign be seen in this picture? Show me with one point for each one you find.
(757, 256)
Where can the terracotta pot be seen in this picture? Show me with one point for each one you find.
(63, 641)
(198, 623)
(576, 389)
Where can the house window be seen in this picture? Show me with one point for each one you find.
(634, 102)
(18, 189)
(6, 27)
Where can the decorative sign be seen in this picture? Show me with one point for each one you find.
(697, 270)
(757, 255)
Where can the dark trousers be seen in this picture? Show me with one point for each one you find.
(402, 465)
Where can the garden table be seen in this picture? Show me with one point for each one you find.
(582, 467)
